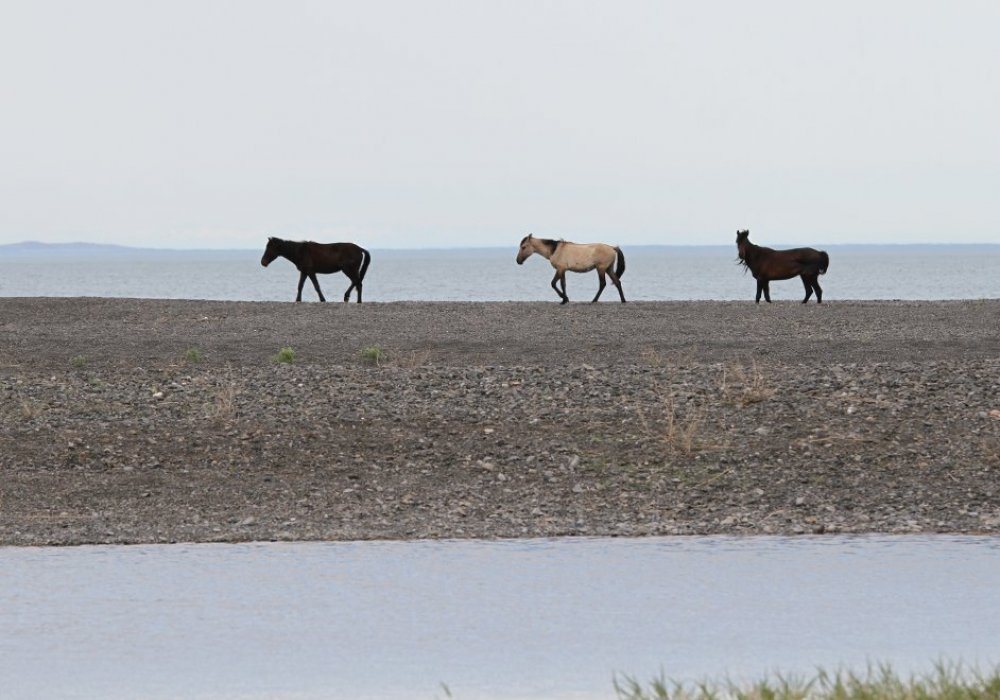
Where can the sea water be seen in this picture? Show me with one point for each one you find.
(542, 618)
(491, 274)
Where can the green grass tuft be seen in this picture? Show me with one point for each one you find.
(373, 354)
(285, 356)
(946, 682)
(193, 355)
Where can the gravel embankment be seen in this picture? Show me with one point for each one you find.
(494, 419)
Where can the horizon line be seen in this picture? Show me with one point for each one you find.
(41, 245)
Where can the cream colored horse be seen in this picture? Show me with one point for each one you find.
(578, 257)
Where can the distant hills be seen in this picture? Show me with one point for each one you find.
(81, 249)
(78, 248)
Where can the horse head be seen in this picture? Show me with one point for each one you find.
(525, 250)
(272, 251)
(742, 241)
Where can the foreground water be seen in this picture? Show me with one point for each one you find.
(507, 619)
(653, 273)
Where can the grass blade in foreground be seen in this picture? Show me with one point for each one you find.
(946, 682)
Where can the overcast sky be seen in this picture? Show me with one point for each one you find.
(428, 124)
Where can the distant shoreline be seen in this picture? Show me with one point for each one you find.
(23, 247)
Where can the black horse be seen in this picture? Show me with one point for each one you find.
(322, 258)
(768, 264)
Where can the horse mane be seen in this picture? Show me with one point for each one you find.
(751, 250)
(740, 260)
(551, 244)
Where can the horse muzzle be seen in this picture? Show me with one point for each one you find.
(265, 262)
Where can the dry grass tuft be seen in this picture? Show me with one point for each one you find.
(224, 407)
(681, 430)
(412, 359)
(678, 424)
(744, 386)
(31, 409)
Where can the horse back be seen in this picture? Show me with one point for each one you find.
(811, 259)
(785, 264)
(332, 257)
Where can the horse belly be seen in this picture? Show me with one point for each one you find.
(783, 270)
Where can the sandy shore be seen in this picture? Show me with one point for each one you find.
(494, 419)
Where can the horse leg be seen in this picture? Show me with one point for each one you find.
(767, 291)
(555, 286)
(600, 288)
(618, 284)
(760, 289)
(807, 283)
(347, 294)
(302, 281)
(355, 284)
(560, 276)
(312, 276)
(819, 290)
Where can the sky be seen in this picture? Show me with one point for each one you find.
(208, 124)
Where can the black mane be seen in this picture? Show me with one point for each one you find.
(552, 244)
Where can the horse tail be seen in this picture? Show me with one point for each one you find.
(621, 263)
(364, 264)
(824, 262)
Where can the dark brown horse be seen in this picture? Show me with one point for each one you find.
(767, 264)
(323, 258)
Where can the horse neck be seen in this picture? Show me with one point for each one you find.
(546, 247)
(750, 253)
(291, 250)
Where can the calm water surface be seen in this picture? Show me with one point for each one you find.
(652, 273)
(508, 619)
